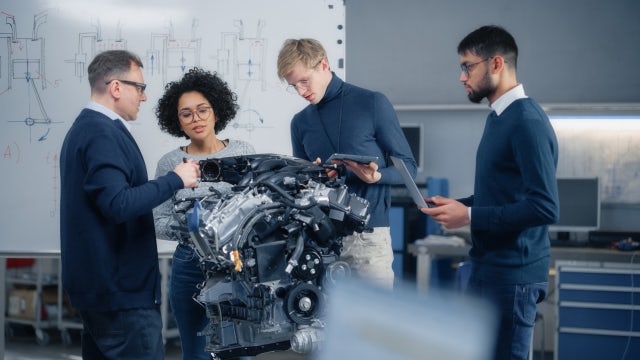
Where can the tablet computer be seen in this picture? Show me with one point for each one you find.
(363, 159)
(415, 193)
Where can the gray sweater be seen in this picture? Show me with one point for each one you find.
(164, 216)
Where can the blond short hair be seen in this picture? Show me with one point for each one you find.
(309, 52)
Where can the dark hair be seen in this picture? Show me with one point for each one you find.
(488, 41)
(212, 87)
(110, 64)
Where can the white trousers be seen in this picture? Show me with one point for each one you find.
(370, 256)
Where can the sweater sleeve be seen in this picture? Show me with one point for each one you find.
(116, 177)
(391, 140)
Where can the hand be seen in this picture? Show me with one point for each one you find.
(366, 172)
(331, 173)
(189, 172)
(448, 212)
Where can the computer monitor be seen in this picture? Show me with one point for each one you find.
(579, 206)
(413, 133)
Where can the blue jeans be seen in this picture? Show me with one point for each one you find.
(124, 334)
(190, 316)
(516, 306)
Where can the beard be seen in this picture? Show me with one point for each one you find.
(485, 88)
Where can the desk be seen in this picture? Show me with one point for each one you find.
(425, 252)
(593, 254)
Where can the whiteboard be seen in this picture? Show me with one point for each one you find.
(605, 147)
(46, 46)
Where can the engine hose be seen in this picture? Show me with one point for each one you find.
(250, 220)
(288, 200)
(271, 181)
(270, 176)
(293, 260)
(270, 164)
(244, 234)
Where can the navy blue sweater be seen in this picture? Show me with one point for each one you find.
(353, 120)
(108, 242)
(515, 195)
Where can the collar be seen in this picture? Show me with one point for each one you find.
(333, 89)
(92, 105)
(507, 98)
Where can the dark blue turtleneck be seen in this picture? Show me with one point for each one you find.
(353, 120)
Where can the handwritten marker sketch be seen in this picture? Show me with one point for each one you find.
(91, 42)
(24, 61)
(47, 45)
(241, 61)
(171, 57)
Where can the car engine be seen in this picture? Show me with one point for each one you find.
(269, 246)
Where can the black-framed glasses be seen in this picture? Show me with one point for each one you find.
(188, 116)
(465, 68)
(140, 86)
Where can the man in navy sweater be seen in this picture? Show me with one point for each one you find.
(108, 244)
(343, 118)
(515, 192)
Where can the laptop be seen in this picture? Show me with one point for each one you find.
(416, 195)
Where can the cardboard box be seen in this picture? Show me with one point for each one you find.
(23, 302)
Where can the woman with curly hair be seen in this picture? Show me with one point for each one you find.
(198, 106)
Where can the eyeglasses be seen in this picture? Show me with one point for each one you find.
(139, 86)
(304, 83)
(188, 116)
(468, 67)
(300, 85)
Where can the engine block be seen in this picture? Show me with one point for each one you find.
(270, 250)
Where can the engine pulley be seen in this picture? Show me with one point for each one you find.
(303, 303)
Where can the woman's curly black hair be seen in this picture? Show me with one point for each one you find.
(212, 87)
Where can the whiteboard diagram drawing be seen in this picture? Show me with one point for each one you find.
(241, 62)
(90, 43)
(25, 63)
(171, 57)
(23, 55)
(46, 47)
(241, 58)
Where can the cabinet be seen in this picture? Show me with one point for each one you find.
(32, 298)
(597, 311)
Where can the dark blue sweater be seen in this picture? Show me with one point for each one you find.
(515, 195)
(353, 120)
(108, 242)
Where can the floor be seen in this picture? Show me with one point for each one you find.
(22, 345)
